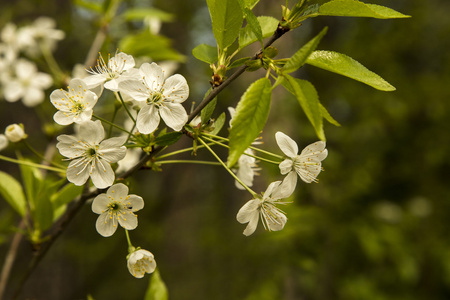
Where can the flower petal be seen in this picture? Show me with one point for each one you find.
(102, 174)
(252, 224)
(286, 144)
(286, 166)
(176, 89)
(117, 191)
(100, 204)
(174, 115)
(92, 132)
(147, 119)
(135, 89)
(106, 225)
(77, 172)
(248, 211)
(134, 202)
(128, 220)
(315, 151)
(286, 188)
(153, 76)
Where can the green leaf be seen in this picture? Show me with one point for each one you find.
(227, 18)
(268, 26)
(43, 209)
(239, 62)
(252, 21)
(168, 138)
(218, 124)
(250, 3)
(308, 98)
(347, 66)
(208, 110)
(205, 53)
(249, 119)
(95, 7)
(299, 58)
(61, 198)
(156, 47)
(137, 14)
(12, 191)
(327, 116)
(353, 8)
(157, 289)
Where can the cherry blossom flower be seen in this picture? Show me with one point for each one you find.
(74, 105)
(27, 84)
(15, 133)
(116, 207)
(159, 98)
(90, 155)
(272, 217)
(140, 262)
(107, 74)
(307, 165)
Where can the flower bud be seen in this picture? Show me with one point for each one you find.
(141, 262)
(15, 133)
(3, 142)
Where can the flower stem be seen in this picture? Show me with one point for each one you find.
(228, 169)
(200, 162)
(266, 152)
(112, 124)
(116, 108)
(251, 155)
(27, 163)
(51, 61)
(130, 246)
(119, 96)
(180, 151)
(41, 156)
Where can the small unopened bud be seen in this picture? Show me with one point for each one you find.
(3, 142)
(15, 133)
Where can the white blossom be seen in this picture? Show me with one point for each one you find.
(27, 84)
(307, 164)
(90, 155)
(116, 207)
(107, 74)
(160, 98)
(15, 133)
(140, 262)
(272, 217)
(74, 105)
(3, 142)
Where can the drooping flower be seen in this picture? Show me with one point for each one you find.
(27, 84)
(116, 207)
(74, 105)
(140, 262)
(307, 164)
(15, 133)
(90, 155)
(272, 217)
(107, 74)
(159, 98)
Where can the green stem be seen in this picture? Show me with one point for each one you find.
(112, 124)
(130, 246)
(51, 61)
(267, 152)
(116, 108)
(41, 156)
(27, 163)
(228, 169)
(180, 151)
(251, 155)
(200, 162)
(119, 96)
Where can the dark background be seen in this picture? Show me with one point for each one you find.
(375, 227)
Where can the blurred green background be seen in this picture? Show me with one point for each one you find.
(375, 227)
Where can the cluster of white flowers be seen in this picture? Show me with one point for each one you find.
(19, 77)
(154, 96)
(307, 165)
